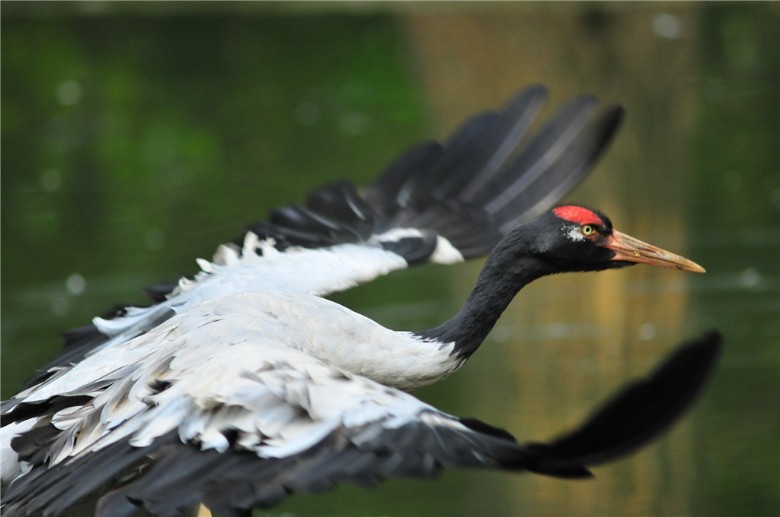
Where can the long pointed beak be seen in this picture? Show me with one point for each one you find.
(629, 249)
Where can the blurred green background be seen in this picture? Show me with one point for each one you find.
(138, 136)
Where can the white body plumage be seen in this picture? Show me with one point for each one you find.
(292, 382)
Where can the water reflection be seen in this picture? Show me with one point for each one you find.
(124, 158)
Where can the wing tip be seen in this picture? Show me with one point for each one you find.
(638, 414)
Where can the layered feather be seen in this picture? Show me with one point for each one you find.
(169, 431)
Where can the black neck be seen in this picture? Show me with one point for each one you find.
(504, 274)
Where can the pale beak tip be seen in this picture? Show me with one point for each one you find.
(697, 269)
(688, 265)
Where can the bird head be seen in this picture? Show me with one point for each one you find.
(575, 238)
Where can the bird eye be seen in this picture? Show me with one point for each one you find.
(587, 230)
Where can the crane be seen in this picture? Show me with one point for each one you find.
(244, 384)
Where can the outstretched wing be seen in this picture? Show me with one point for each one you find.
(435, 203)
(487, 179)
(166, 432)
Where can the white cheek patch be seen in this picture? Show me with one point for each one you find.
(572, 233)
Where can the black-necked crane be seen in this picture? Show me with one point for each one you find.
(243, 384)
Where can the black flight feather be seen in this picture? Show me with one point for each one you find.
(169, 476)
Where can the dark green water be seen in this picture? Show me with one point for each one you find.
(137, 137)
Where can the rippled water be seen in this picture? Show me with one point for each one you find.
(137, 138)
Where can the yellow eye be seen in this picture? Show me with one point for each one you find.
(587, 230)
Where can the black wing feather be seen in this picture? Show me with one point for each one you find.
(168, 475)
(488, 178)
(641, 410)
